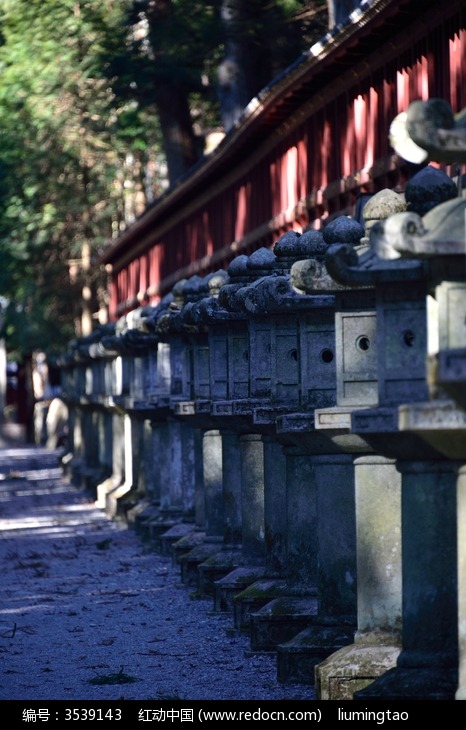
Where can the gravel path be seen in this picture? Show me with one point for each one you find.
(83, 603)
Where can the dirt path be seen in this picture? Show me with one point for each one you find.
(86, 613)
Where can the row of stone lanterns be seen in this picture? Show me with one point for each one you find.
(291, 430)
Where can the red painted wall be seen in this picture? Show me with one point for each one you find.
(314, 171)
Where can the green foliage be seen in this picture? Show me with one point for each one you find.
(160, 42)
(64, 150)
(82, 86)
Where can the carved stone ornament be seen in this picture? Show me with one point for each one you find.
(429, 130)
(440, 232)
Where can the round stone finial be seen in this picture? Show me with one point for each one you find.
(178, 292)
(238, 267)
(343, 230)
(216, 281)
(382, 205)
(428, 188)
(263, 258)
(286, 244)
(193, 287)
(295, 246)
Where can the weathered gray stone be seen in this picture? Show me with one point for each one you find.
(232, 496)
(440, 231)
(432, 126)
(380, 206)
(275, 508)
(461, 521)
(343, 230)
(430, 635)
(252, 481)
(213, 486)
(428, 188)
(378, 639)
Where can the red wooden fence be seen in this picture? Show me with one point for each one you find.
(304, 151)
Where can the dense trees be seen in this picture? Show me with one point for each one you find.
(64, 162)
(198, 64)
(157, 57)
(102, 104)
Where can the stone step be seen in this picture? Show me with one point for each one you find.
(234, 583)
(298, 657)
(280, 620)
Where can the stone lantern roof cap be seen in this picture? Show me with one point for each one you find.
(382, 205)
(294, 246)
(262, 260)
(238, 267)
(427, 188)
(343, 230)
(441, 232)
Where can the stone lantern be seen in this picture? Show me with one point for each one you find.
(356, 388)
(91, 431)
(286, 331)
(401, 353)
(321, 574)
(174, 442)
(195, 413)
(241, 556)
(433, 591)
(113, 395)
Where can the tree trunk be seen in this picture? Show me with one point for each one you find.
(245, 68)
(179, 141)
